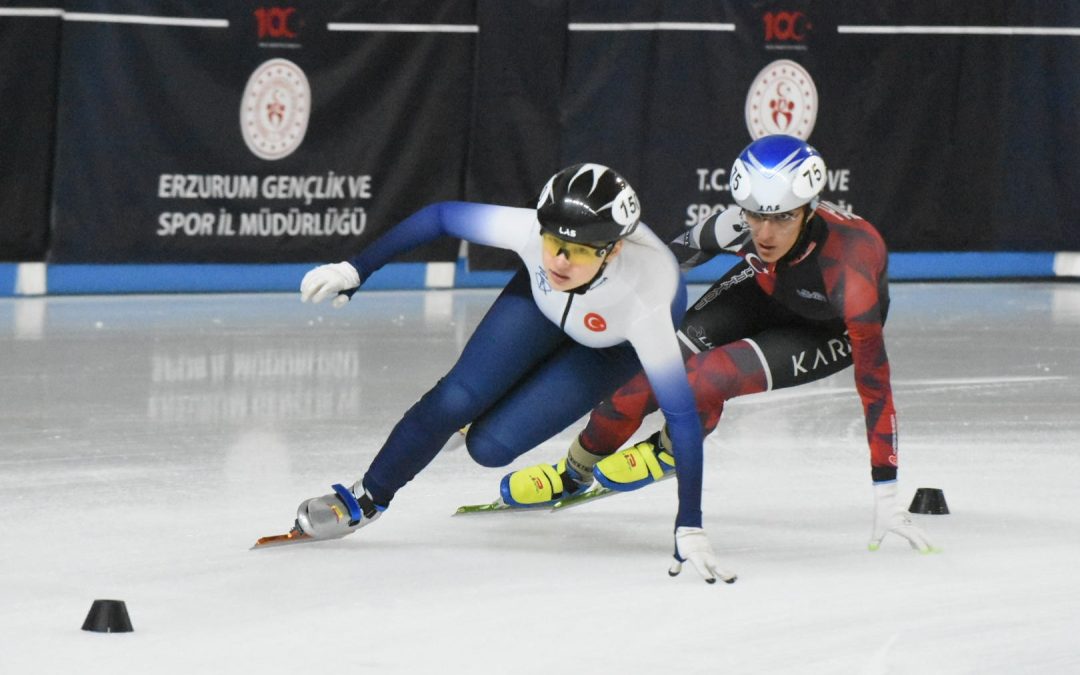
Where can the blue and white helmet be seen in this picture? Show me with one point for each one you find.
(777, 173)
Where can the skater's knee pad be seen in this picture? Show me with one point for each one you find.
(487, 450)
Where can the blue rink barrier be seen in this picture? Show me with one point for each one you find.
(57, 279)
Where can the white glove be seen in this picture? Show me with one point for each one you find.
(692, 544)
(329, 280)
(888, 517)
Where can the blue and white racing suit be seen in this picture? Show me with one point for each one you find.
(540, 359)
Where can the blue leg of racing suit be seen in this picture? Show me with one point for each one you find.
(519, 380)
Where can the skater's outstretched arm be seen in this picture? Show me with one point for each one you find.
(491, 225)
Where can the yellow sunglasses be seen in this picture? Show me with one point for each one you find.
(577, 254)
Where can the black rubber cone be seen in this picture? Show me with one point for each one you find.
(930, 501)
(108, 616)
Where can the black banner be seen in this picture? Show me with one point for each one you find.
(254, 131)
(515, 136)
(29, 52)
(295, 131)
(946, 140)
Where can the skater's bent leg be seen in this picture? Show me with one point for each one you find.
(616, 418)
(549, 400)
(509, 342)
(715, 376)
(419, 436)
(722, 374)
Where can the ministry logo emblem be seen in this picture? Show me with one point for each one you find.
(275, 109)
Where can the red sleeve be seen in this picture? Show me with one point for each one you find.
(854, 268)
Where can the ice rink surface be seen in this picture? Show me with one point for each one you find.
(147, 441)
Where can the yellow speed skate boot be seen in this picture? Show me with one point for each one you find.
(636, 466)
(542, 485)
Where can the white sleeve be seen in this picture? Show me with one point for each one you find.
(499, 226)
(658, 349)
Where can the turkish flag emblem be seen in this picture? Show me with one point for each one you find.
(595, 322)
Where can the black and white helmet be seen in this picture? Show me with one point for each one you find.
(588, 204)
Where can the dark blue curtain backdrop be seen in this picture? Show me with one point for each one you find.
(295, 131)
(945, 141)
(172, 147)
(29, 54)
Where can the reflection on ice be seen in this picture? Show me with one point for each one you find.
(268, 383)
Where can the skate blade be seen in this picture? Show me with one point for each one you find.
(598, 492)
(293, 536)
(497, 506)
(584, 497)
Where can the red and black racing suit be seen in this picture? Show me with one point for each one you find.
(764, 326)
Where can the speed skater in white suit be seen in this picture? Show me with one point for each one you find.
(595, 301)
